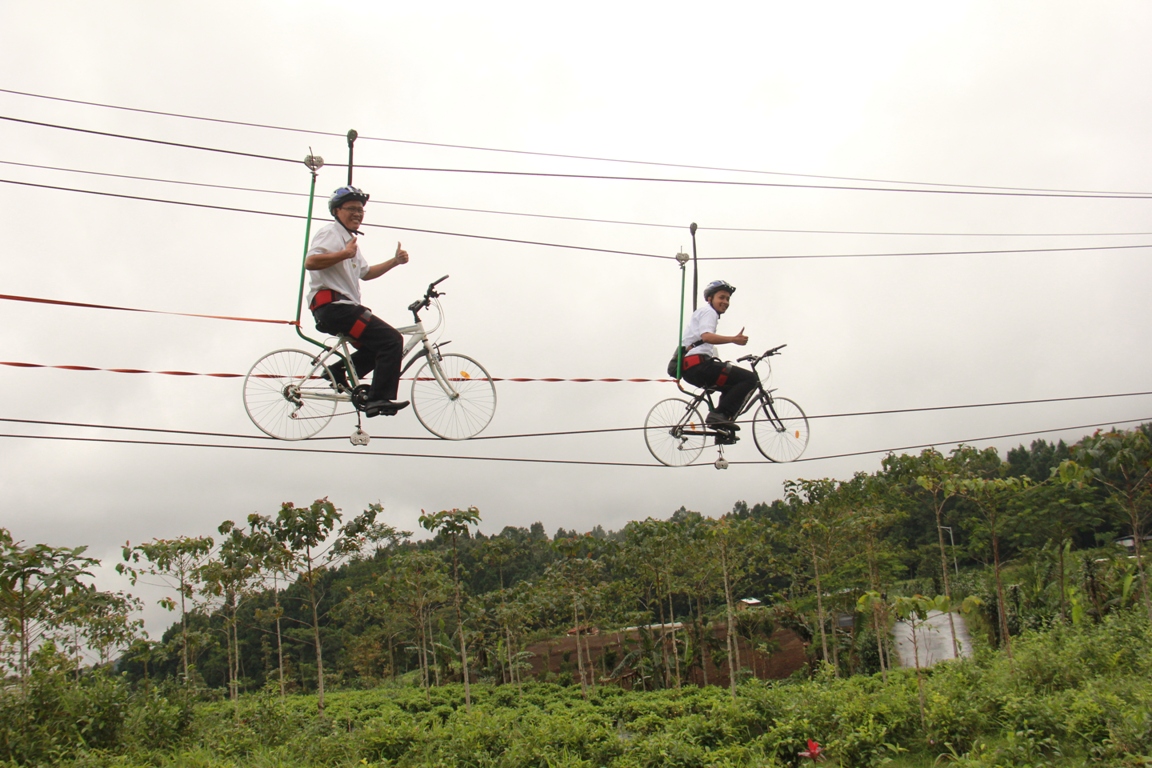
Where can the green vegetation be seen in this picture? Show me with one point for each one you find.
(305, 639)
(1072, 695)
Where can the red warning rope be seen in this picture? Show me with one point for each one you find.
(60, 303)
(518, 379)
(119, 370)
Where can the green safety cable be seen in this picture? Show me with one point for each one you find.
(314, 163)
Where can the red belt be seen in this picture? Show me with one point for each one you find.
(326, 296)
(694, 360)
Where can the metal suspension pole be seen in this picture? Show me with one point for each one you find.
(351, 140)
(695, 267)
(682, 260)
(314, 163)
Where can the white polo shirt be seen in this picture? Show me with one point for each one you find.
(704, 320)
(343, 277)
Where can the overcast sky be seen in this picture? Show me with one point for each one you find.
(940, 98)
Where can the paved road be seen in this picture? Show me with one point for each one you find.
(933, 638)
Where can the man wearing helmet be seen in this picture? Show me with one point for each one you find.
(701, 368)
(336, 266)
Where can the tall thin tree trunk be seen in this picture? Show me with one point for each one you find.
(1137, 536)
(946, 580)
(675, 651)
(1003, 607)
(879, 643)
(820, 605)
(703, 644)
(460, 626)
(919, 674)
(316, 633)
(1063, 611)
(183, 626)
(732, 645)
(579, 655)
(511, 658)
(279, 637)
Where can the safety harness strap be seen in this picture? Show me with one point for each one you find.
(360, 324)
(722, 379)
(326, 296)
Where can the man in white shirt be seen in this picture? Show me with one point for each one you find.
(336, 266)
(701, 368)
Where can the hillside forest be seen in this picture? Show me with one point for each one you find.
(309, 603)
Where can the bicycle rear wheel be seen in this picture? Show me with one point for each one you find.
(665, 432)
(780, 430)
(286, 396)
(461, 413)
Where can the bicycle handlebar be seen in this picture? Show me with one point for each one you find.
(429, 294)
(757, 358)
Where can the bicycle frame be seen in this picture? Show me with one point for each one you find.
(416, 335)
(757, 396)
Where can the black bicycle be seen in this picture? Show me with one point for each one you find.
(676, 433)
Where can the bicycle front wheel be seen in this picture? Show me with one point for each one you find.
(672, 432)
(286, 396)
(780, 429)
(454, 397)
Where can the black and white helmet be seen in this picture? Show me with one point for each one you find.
(718, 285)
(343, 195)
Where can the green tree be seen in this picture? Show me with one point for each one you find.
(1121, 463)
(991, 497)
(726, 534)
(176, 562)
(816, 529)
(229, 577)
(455, 523)
(415, 582)
(35, 582)
(574, 580)
(306, 531)
(101, 622)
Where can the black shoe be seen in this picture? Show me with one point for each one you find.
(384, 407)
(338, 378)
(721, 421)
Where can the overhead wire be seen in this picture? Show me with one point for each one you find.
(564, 433)
(580, 219)
(181, 145)
(589, 249)
(394, 227)
(922, 446)
(531, 153)
(605, 177)
(529, 460)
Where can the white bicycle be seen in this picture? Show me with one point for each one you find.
(290, 395)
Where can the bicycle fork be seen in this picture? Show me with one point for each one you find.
(435, 359)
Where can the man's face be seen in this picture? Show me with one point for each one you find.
(720, 301)
(351, 215)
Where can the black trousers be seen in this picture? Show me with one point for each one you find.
(733, 391)
(379, 346)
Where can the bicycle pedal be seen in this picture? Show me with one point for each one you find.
(359, 437)
(726, 438)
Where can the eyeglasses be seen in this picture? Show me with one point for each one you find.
(352, 208)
